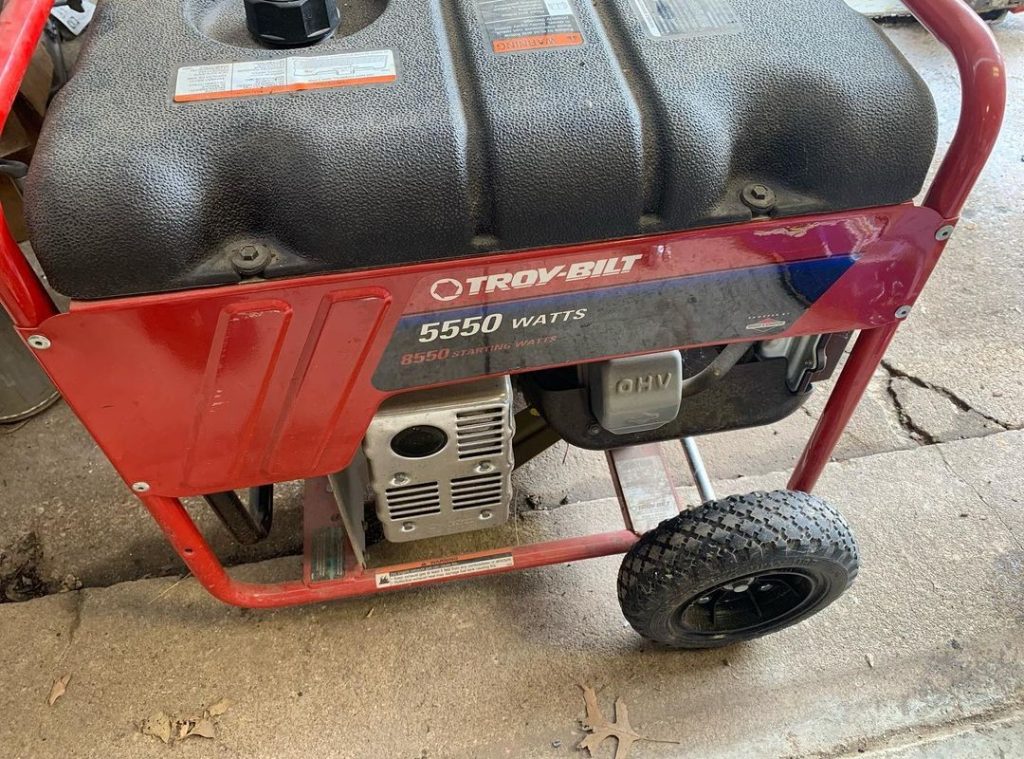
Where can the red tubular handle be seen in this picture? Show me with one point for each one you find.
(983, 99)
(21, 292)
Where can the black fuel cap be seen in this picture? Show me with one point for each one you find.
(291, 23)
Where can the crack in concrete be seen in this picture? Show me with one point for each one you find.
(924, 735)
(75, 624)
(988, 506)
(914, 431)
(945, 392)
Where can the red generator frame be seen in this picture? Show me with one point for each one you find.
(222, 388)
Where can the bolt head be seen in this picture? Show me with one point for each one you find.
(944, 233)
(758, 197)
(401, 478)
(484, 467)
(704, 600)
(140, 487)
(486, 514)
(39, 342)
(408, 526)
(902, 312)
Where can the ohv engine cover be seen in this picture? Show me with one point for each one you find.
(424, 130)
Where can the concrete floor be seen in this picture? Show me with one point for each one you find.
(490, 668)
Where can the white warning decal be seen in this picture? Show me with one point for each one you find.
(292, 74)
(441, 571)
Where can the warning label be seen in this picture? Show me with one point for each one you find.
(516, 26)
(688, 18)
(294, 73)
(440, 571)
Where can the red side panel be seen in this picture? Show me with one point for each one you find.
(230, 387)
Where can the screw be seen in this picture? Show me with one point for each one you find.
(486, 514)
(944, 233)
(140, 487)
(401, 479)
(408, 526)
(594, 429)
(902, 312)
(250, 260)
(39, 342)
(484, 467)
(758, 197)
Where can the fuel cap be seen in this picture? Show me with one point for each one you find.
(291, 23)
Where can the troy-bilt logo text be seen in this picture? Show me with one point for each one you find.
(450, 289)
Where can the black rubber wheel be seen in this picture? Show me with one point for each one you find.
(737, 569)
(995, 17)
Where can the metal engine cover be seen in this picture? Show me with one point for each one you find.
(463, 482)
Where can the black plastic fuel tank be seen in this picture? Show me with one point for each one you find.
(433, 129)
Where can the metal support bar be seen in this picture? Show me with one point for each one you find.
(247, 524)
(533, 436)
(193, 549)
(700, 474)
(643, 485)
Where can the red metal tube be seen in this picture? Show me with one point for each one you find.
(983, 105)
(860, 366)
(21, 292)
(183, 534)
(983, 99)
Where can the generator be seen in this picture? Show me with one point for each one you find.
(397, 249)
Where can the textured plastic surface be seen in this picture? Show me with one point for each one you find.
(468, 151)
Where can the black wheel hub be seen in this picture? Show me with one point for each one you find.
(755, 604)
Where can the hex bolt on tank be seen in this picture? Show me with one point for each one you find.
(758, 197)
(250, 260)
(902, 312)
(39, 342)
(944, 233)
(140, 487)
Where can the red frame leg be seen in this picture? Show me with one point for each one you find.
(842, 402)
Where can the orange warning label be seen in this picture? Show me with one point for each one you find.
(518, 26)
(537, 41)
(275, 75)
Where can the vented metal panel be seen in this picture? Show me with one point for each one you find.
(413, 500)
(481, 433)
(478, 491)
(463, 485)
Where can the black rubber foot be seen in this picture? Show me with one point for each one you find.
(736, 569)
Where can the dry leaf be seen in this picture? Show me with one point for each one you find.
(219, 707)
(60, 685)
(182, 729)
(203, 728)
(601, 729)
(158, 724)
